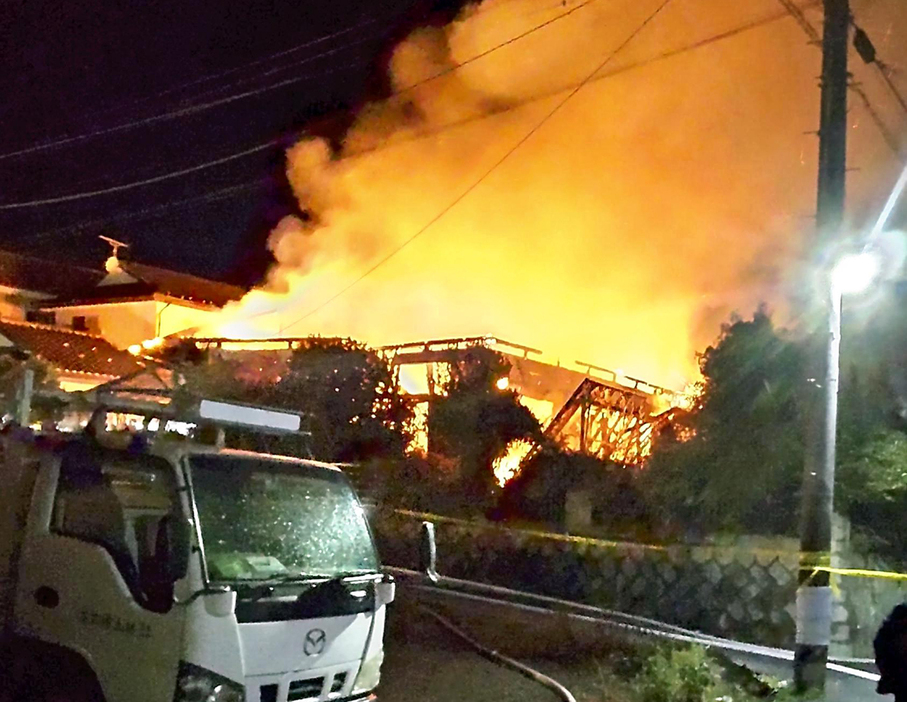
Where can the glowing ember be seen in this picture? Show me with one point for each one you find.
(507, 466)
(503, 383)
(149, 344)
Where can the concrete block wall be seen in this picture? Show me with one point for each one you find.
(743, 590)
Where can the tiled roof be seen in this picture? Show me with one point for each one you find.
(70, 351)
(149, 281)
(48, 277)
(183, 285)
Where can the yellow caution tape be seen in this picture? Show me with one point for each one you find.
(810, 561)
(862, 573)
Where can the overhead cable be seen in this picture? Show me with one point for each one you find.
(193, 109)
(816, 40)
(475, 184)
(77, 196)
(146, 212)
(183, 111)
(139, 183)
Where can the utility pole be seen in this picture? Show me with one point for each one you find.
(26, 388)
(814, 597)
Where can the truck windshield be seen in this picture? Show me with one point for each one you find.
(273, 520)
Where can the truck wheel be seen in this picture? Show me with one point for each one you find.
(40, 675)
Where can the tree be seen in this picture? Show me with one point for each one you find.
(741, 470)
(350, 399)
(348, 395)
(13, 365)
(474, 420)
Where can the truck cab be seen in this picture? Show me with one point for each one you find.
(174, 571)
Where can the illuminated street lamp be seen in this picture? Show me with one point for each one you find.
(854, 273)
(850, 275)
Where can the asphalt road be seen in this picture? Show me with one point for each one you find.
(427, 663)
(424, 662)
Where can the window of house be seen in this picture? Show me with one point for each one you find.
(80, 323)
(41, 317)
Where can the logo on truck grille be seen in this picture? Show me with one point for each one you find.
(314, 642)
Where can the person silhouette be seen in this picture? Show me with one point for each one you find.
(890, 646)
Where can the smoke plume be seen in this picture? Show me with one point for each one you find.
(673, 189)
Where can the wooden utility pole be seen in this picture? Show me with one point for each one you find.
(814, 597)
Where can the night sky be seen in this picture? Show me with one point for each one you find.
(74, 68)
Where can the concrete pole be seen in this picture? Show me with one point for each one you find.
(814, 598)
(26, 389)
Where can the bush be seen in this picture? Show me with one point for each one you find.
(679, 675)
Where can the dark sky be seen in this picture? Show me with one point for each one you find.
(74, 68)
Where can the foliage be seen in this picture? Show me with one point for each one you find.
(694, 674)
(347, 393)
(741, 469)
(679, 675)
(12, 369)
(539, 492)
(473, 420)
(872, 490)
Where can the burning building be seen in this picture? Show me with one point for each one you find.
(582, 407)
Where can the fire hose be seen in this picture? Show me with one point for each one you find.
(629, 624)
(500, 659)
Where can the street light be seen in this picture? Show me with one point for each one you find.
(850, 275)
(854, 273)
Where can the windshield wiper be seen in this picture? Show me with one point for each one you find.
(324, 578)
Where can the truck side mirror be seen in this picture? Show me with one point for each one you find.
(172, 547)
(385, 590)
(428, 552)
(220, 602)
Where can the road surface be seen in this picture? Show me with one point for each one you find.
(426, 663)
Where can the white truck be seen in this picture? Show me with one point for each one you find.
(170, 571)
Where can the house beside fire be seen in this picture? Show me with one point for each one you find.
(81, 320)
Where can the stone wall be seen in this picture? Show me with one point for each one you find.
(744, 590)
(861, 602)
(742, 593)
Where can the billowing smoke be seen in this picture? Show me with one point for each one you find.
(667, 193)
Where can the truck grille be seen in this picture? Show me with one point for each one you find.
(338, 683)
(305, 689)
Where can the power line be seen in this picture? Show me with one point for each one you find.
(813, 34)
(184, 111)
(885, 71)
(604, 75)
(257, 62)
(201, 107)
(189, 110)
(538, 125)
(129, 215)
(600, 76)
(139, 183)
(485, 53)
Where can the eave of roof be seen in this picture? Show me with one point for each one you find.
(70, 351)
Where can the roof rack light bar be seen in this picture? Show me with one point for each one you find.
(248, 416)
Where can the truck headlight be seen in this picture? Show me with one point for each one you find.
(196, 684)
(369, 674)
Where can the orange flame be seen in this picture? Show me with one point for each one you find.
(664, 195)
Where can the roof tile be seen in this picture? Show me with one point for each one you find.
(70, 351)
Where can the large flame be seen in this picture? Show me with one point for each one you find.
(657, 201)
(507, 466)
